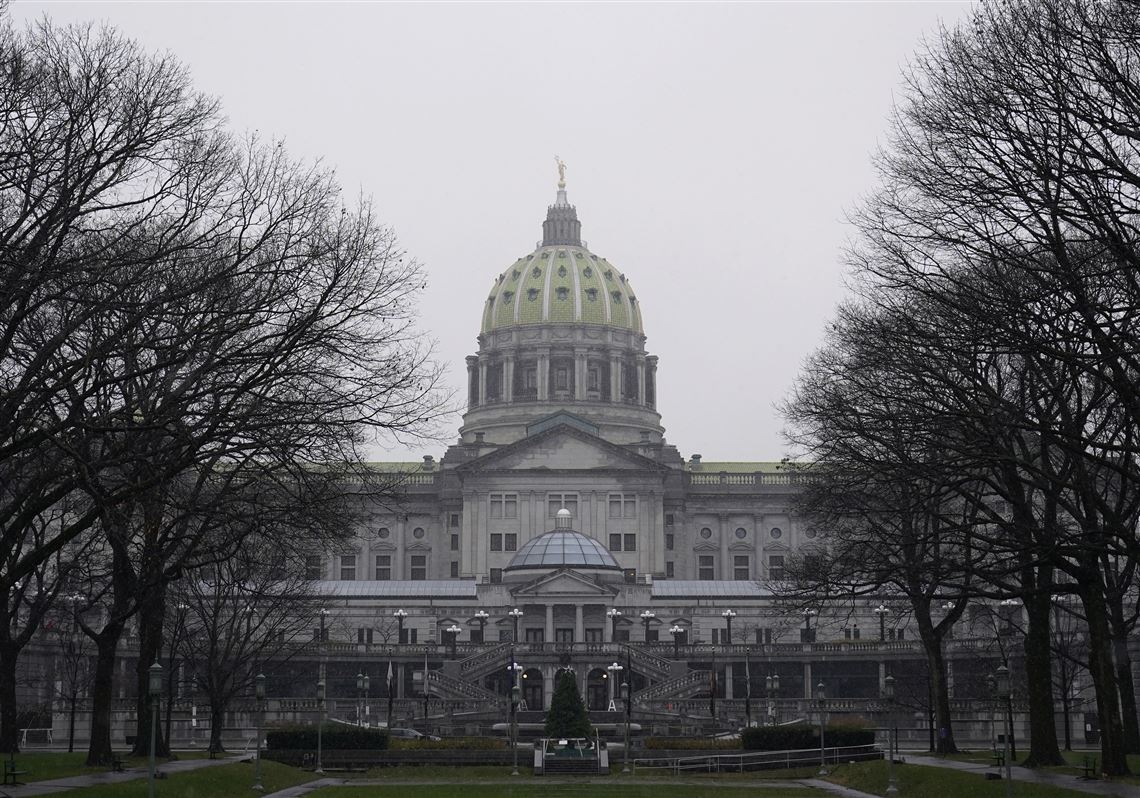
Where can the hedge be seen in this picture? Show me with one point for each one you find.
(692, 743)
(791, 738)
(333, 738)
(450, 744)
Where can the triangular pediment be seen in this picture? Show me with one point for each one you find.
(562, 447)
(563, 582)
(705, 546)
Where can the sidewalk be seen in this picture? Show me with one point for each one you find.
(131, 774)
(1094, 787)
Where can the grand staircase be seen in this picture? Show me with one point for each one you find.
(444, 686)
(685, 686)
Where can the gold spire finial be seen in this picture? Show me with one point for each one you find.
(561, 172)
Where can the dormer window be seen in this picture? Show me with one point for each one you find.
(561, 271)
(592, 294)
(508, 296)
(532, 294)
(616, 295)
(562, 292)
(609, 274)
(588, 272)
(515, 274)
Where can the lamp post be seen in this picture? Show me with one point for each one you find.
(515, 694)
(515, 614)
(625, 702)
(676, 631)
(320, 722)
(362, 685)
(453, 637)
(882, 611)
(400, 615)
(481, 616)
(820, 695)
(728, 615)
(809, 613)
(1003, 687)
(259, 697)
(154, 691)
(646, 617)
(613, 613)
(772, 687)
(889, 696)
(615, 671)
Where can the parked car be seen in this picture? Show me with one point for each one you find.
(410, 734)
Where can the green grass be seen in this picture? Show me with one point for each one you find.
(220, 781)
(45, 765)
(916, 781)
(592, 787)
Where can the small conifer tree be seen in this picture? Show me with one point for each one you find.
(567, 716)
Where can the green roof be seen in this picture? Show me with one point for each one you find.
(561, 284)
(710, 467)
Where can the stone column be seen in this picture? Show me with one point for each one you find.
(509, 378)
(579, 373)
(399, 567)
(641, 379)
(809, 688)
(728, 692)
(615, 378)
(651, 379)
(549, 623)
(579, 625)
(543, 375)
(482, 382)
(725, 569)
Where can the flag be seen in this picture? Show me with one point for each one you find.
(391, 690)
(628, 681)
(712, 688)
(747, 689)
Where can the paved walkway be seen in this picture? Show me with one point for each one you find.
(1094, 787)
(130, 774)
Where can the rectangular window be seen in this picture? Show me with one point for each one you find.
(623, 505)
(348, 567)
(561, 380)
(496, 576)
(383, 567)
(594, 636)
(505, 635)
(455, 542)
(592, 379)
(651, 636)
(556, 501)
(496, 541)
(454, 569)
(364, 635)
(630, 542)
(504, 505)
(453, 520)
(669, 541)
(510, 541)
(741, 569)
(705, 570)
(564, 635)
(668, 519)
(775, 566)
(419, 567)
(621, 636)
(615, 542)
(668, 569)
(314, 568)
(530, 379)
(534, 635)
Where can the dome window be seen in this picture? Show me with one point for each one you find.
(561, 271)
(562, 292)
(578, 255)
(536, 272)
(530, 256)
(502, 277)
(593, 257)
(588, 272)
(632, 299)
(616, 295)
(562, 253)
(532, 294)
(515, 274)
(592, 294)
(609, 275)
(545, 255)
(508, 296)
(621, 277)
(490, 300)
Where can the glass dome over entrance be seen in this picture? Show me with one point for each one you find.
(563, 548)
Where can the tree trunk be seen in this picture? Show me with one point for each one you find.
(941, 729)
(217, 724)
(1124, 682)
(1104, 680)
(151, 613)
(71, 722)
(9, 712)
(99, 750)
(1043, 750)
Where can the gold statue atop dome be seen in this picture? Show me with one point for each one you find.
(561, 172)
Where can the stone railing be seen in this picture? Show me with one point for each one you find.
(479, 660)
(747, 479)
(672, 687)
(463, 688)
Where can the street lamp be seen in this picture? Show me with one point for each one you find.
(259, 696)
(362, 684)
(882, 610)
(615, 671)
(515, 614)
(400, 615)
(1004, 691)
(453, 633)
(625, 701)
(820, 695)
(676, 630)
(728, 615)
(481, 616)
(515, 695)
(889, 696)
(154, 690)
(646, 617)
(613, 613)
(772, 687)
(808, 615)
(320, 722)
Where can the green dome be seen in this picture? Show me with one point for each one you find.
(562, 284)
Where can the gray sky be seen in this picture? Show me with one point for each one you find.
(712, 152)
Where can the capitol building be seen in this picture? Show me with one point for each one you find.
(564, 531)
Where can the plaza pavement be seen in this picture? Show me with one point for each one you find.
(50, 786)
(1092, 787)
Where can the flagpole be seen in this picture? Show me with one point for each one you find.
(747, 689)
(390, 686)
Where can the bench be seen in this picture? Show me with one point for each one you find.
(117, 764)
(11, 773)
(1088, 767)
(998, 759)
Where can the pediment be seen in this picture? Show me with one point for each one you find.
(563, 447)
(705, 546)
(740, 545)
(563, 582)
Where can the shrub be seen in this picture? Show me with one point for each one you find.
(694, 743)
(334, 738)
(790, 738)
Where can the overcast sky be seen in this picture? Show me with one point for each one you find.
(712, 151)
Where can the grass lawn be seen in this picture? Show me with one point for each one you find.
(220, 781)
(593, 787)
(43, 765)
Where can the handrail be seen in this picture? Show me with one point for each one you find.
(666, 689)
(740, 762)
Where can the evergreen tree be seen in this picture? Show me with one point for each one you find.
(567, 716)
